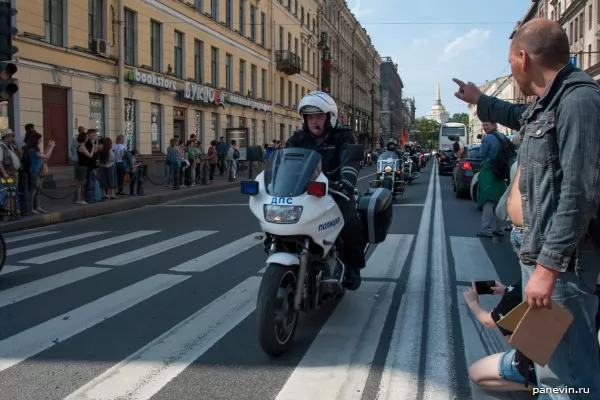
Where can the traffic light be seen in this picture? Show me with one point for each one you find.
(7, 86)
(7, 31)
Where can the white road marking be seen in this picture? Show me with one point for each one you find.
(153, 249)
(7, 269)
(389, 257)
(42, 245)
(12, 239)
(144, 373)
(337, 364)
(25, 344)
(471, 261)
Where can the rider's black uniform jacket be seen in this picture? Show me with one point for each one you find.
(332, 150)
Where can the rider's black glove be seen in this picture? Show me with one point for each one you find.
(343, 186)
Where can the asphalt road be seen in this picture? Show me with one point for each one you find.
(158, 303)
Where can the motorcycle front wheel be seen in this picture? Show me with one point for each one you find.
(276, 318)
(2, 252)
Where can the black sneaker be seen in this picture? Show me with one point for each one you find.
(353, 279)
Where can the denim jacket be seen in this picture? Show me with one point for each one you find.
(559, 159)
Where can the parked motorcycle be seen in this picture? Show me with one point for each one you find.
(293, 201)
(389, 174)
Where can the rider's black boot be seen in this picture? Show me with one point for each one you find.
(353, 279)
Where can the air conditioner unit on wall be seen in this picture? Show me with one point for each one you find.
(99, 46)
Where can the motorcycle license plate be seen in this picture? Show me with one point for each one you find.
(469, 173)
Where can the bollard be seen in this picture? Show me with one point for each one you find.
(176, 178)
(142, 170)
(205, 172)
(24, 195)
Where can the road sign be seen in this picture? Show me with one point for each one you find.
(574, 61)
(7, 31)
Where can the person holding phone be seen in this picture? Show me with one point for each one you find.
(507, 371)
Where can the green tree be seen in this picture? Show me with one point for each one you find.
(427, 132)
(461, 118)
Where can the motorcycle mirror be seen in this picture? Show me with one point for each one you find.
(254, 153)
(355, 152)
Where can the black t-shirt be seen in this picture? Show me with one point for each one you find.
(513, 296)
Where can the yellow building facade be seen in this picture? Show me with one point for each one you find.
(154, 70)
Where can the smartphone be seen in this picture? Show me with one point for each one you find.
(485, 287)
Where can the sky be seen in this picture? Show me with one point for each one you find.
(466, 39)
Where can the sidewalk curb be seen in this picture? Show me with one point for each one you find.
(110, 207)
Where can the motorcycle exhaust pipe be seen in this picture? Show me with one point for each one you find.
(301, 276)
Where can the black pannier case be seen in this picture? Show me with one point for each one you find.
(376, 212)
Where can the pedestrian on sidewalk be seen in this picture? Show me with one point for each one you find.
(555, 195)
(35, 158)
(108, 171)
(233, 154)
(490, 188)
(173, 160)
(213, 159)
(222, 149)
(84, 159)
(120, 167)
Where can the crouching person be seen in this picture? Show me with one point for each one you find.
(508, 371)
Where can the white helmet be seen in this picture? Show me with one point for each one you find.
(317, 103)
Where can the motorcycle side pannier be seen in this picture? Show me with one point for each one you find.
(376, 211)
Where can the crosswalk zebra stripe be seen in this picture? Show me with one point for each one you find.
(337, 364)
(59, 255)
(388, 259)
(153, 249)
(40, 286)
(30, 342)
(145, 372)
(27, 236)
(43, 245)
(471, 256)
(7, 269)
(217, 256)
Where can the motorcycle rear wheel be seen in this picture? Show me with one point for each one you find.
(276, 318)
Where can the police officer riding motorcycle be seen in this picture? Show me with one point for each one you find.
(321, 132)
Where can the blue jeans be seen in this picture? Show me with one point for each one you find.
(574, 363)
(173, 164)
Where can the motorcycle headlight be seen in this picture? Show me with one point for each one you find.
(278, 214)
(387, 169)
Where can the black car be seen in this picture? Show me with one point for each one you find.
(464, 171)
(446, 161)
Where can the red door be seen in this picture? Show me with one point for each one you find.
(55, 123)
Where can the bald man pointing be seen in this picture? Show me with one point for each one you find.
(555, 193)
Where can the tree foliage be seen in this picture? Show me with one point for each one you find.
(462, 118)
(427, 132)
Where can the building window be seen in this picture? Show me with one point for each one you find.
(178, 49)
(581, 24)
(199, 5)
(214, 66)
(53, 21)
(199, 125)
(229, 122)
(130, 124)
(281, 91)
(214, 9)
(590, 17)
(589, 55)
(289, 44)
(281, 38)
(314, 62)
(242, 17)
(198, 60)
(156, 127)
(253, 23)
(97, 114)
(96, 20)
(215, 126)
(290, 93)
(253, 80)
(264, 131)
(155, 46)
(296, 46)
(303, 49)
(130, 38)
(263, 29)
(229, 72)
(243, 77)
(263, 83)
(282, 132)
(254, 126)
(296, 96)
(229, 13)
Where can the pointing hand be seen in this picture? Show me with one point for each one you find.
(467, 92)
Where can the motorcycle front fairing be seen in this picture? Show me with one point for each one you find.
(388, 162)
(283, 206)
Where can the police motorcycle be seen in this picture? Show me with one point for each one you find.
(409, 168)
(389, 174)
(294, 203)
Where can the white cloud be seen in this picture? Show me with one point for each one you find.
(472, 40)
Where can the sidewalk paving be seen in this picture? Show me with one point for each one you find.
(61, 206)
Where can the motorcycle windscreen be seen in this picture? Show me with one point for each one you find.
(388, 158)
(388, 154)
(289, 171)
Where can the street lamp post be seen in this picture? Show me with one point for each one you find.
(372, 93)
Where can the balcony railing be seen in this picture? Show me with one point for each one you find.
(288, 62)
